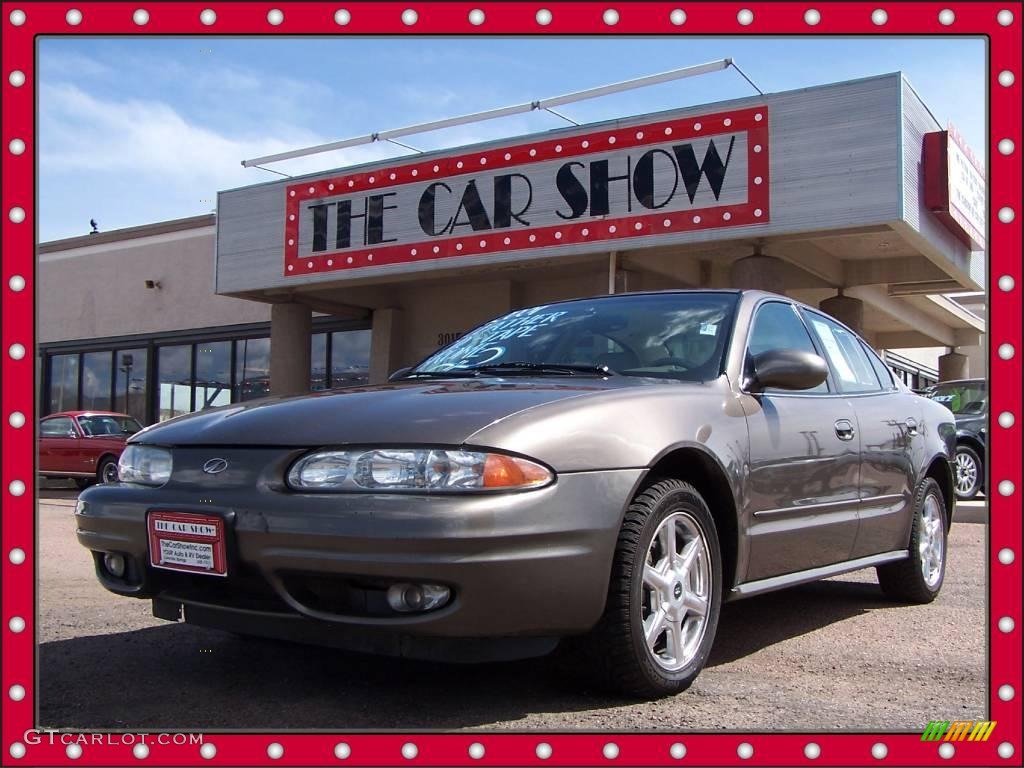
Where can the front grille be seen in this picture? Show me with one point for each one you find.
(246, 590)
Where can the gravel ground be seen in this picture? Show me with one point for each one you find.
(831, 655)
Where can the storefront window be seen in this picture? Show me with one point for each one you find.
(318, 362)
(130, 382)
(350, 358)
(96, 381)
(63, 383)
(252, 368)
(213, 374)
(174, 372)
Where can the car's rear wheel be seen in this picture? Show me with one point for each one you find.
(918, 579)
(664, 596)
(106, 472)
(969, 472)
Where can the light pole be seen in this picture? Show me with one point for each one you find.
(127, 360)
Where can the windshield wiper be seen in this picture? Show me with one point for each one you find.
(454, 373)
(557, 368)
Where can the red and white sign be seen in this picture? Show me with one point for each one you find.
(181, 541)
(594, 186)
(955, 186)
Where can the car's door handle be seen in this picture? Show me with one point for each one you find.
(845, 430)
(911, 426)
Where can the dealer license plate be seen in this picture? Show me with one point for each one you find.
(181, 541)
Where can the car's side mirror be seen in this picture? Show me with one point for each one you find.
(788, 369)
(400, 373)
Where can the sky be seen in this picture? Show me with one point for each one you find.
(138, 130)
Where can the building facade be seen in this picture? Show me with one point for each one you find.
(827, 194)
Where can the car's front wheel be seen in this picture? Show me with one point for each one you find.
(664, 596)
(918, 579)
(969, 472)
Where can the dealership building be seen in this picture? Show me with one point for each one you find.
(850, 196)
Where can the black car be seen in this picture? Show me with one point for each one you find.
(968, 400)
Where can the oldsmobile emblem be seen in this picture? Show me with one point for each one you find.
(215, 466)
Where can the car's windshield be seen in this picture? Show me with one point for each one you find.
(962, 398)
(669, 335)
(108, 425)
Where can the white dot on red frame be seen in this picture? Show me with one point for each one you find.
(697, 126)
(558, 235)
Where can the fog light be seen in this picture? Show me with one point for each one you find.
(409, 598)
(114, 563)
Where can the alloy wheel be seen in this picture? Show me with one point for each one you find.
(110, 473)
(966, 473)
(932, 541)
(676, 592)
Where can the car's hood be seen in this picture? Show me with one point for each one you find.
(443, 412)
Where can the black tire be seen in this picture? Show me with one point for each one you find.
(106, 472)
(965, 458)
(83, 482)
(904, 580)
(616, 649)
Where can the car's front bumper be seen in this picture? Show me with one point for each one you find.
(534, 563)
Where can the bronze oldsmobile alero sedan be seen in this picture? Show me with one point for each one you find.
(602, 472)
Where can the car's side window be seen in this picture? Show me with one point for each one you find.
(58, 427)
(778, 326)
(846, 356)
(881, 369)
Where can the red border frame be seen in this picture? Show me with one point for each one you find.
(18, 395)
(753, 121)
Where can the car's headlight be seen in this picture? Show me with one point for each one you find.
(144, 465)
(415, 469)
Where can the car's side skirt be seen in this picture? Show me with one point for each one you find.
(815, 574)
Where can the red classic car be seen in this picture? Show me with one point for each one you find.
(83, 445)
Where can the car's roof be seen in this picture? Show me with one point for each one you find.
(88, 413)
